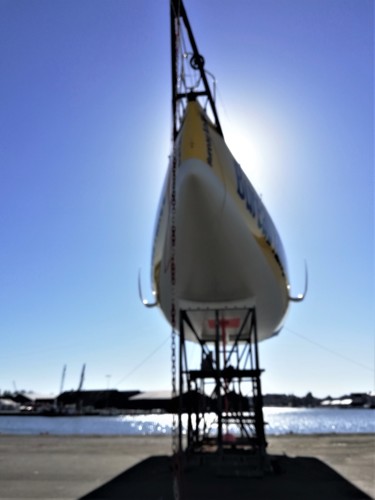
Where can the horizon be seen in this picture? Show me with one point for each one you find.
(288, 395)
(86, 127)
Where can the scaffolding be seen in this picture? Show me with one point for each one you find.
(225, 422)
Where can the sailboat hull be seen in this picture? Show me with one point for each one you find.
(224, 257)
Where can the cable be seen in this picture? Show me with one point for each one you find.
(143, 361)
(330, 350)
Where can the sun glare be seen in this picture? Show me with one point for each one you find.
(249, 147)
(261, 148)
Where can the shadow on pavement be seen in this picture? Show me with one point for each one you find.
(296, 478)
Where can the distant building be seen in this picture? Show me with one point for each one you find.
(133, 401)
(8, 405)
(353, 400)
(151, 401)
(359, 399)
(97, 400)
(163, 401)
(34, 399)
(291, 400)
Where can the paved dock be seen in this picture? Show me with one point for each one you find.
(138, 467)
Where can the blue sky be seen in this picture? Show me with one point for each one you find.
(85, 128)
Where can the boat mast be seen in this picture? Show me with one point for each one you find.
(178, 14)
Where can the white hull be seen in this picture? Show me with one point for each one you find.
(227, 252)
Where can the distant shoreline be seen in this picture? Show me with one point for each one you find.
(166, 437)
(127, 413)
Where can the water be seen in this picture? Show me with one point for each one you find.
(279, 421)
(319, 420)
